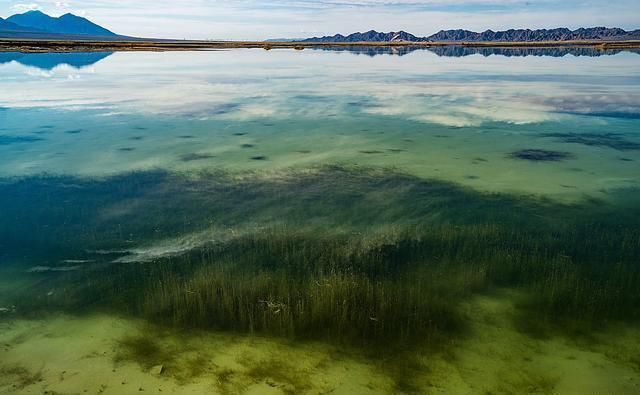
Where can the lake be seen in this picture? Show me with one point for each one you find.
(346, 220)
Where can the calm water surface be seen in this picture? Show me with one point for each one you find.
(249, 221)
(455, 119)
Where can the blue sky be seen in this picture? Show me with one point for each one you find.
(260, 19)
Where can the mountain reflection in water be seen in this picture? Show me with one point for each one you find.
(49, 61)
(460, 51)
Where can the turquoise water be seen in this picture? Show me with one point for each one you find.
(350, 221)
(430, 116)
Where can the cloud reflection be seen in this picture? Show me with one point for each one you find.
(254, 84)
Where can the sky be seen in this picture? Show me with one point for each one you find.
(261, 19)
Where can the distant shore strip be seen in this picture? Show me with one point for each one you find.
(15, 45)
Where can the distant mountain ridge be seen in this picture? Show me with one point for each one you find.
(370, 36)
(36, 24)
(11, 27)
(511, 35)
(528, 35)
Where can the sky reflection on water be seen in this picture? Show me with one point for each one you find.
(453, 118)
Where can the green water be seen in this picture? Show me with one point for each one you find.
(334, 221)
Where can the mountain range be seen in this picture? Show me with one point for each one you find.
(11, 27)
(36, 24)
(512, 35)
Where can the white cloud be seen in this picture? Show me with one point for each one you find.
(421, 86)
(260, 19)
(26, 7)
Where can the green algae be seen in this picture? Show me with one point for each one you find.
(21, 376)
(363, 257)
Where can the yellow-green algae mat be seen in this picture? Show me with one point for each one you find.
(110, 355)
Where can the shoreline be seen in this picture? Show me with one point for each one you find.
(34, 46)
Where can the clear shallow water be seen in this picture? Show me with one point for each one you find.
(450, 118)
(385, 222)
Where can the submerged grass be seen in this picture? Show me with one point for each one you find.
(364, 257)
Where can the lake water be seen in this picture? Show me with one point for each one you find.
(350, 220)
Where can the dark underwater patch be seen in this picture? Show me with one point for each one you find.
(540, 155)
(74, 131)
(359, 103)
(195, 156)
(314, 98)
(609, 114)
(247, 146)
(370, 152)
(126, 149)
(224, 109)
(610, 140)
(258, 157)
(8, 140)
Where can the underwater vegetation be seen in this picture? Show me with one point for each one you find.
(358, 256)
(540, 155)
(609, 140)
